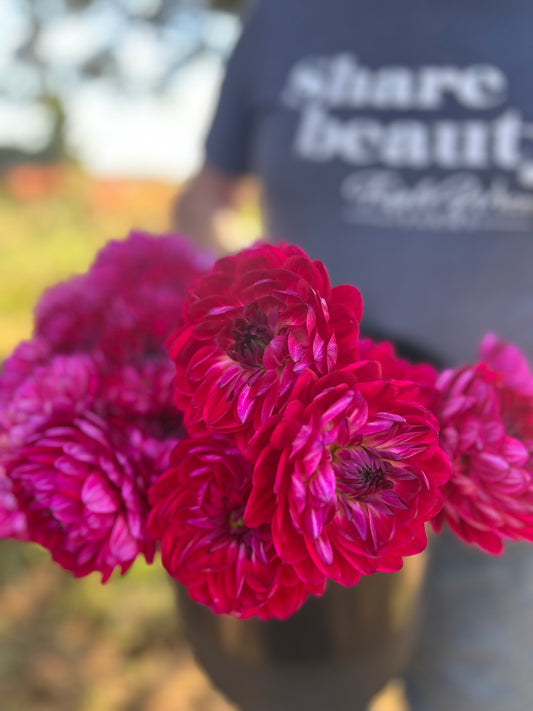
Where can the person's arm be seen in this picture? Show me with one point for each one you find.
(207, 209)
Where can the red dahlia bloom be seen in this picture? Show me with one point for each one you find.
(197, 513)
(394, 367)
(348, 473)
(486, 416)
(251, 326)
(128, 302)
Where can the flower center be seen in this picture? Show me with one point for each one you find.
(249, 341)
(374, 479)
(359, 475)
(236, 519)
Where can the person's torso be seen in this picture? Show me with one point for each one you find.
(395, 142)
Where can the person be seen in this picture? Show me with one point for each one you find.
(394, 141)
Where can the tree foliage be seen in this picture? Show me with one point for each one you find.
(137, 46)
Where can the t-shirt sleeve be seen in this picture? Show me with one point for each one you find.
(229, 138)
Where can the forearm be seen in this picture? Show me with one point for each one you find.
(207, 210)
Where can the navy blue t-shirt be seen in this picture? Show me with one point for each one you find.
(394, 141)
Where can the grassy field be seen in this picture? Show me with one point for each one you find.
(67, 644)
(75, 645)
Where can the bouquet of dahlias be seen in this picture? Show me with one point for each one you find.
(271, 450)
(86, 415)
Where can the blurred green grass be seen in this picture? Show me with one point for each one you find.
(75, 644)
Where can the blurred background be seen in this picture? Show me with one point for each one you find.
(103, 108)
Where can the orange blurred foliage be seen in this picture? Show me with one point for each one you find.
(125, 194)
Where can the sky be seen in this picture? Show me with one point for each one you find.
(113, 134)
(145, 137)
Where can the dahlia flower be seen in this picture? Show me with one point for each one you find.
(348, 474)
(251, 326)
(392, 366)
(197, 513)
(486, 416)
(128, 302)
(515, 387)
(27, 356)
(78, 469)
(143, 394)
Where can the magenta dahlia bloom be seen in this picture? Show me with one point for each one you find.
(486, 416)
(34, 382)
(78, 468)
(197, 514)
(25, 405)
(66, 385)
(143, 394)
(251, 326)
(128, 302)
(27, 356)
(86, 414)
(348, 474)
(509, 361)
(84, 494)
(515, 387)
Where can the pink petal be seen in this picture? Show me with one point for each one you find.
(98, 495)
